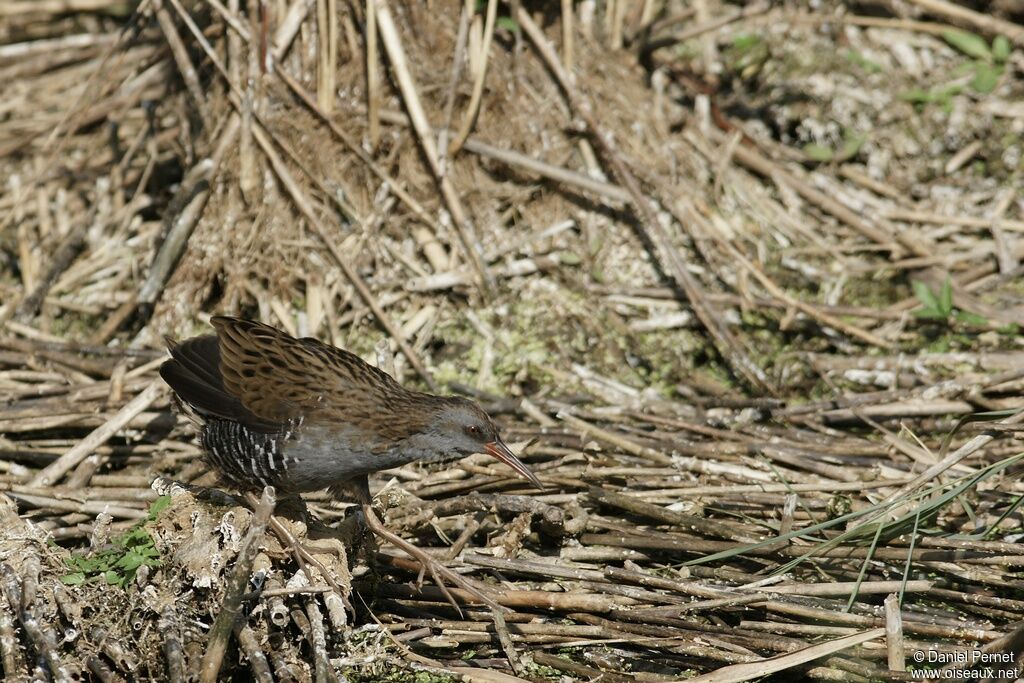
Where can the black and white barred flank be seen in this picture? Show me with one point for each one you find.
(245, 456)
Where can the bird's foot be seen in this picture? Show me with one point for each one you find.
(441, 574)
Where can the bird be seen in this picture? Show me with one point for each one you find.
(301, 415)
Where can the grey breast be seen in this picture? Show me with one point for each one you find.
(316, 457)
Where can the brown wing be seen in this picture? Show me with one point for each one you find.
(278, 377)
(194, 374)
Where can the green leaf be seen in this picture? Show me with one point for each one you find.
(947, 92)
(816, 152)
(851, 147)
(1001, 48)
(970, 44)
(567, 258)
(863, 62)
(158, 506)
(112, 578)
(986, 77)
(89, 565)
(133, 537)
(946, 298)
(149, 552)
(507, 23)
(925, 296)
(929, 314)
(745, 42)
(131, 561)
(918, 96)
(73, 579)
(969, 318)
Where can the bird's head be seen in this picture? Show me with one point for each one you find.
(465, 429)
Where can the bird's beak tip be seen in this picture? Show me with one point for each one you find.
(497, 449)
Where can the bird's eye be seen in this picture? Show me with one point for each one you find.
(473, 430)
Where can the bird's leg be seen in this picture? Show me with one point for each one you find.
(438, 571)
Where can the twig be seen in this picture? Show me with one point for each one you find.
(231, 604)
(372, 76)
(318, 640)
(182, 60)
(556, 173)
(62, 259)
(10, 653)
(963, 15)
(478, 64)
(744, 672)
(171, 645)
(458, 59)
(65, 463)
(250, 647)
(894, 633)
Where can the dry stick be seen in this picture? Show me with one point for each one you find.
(894, 633)
(665, 516)
(744, 672)
(62, 259)
(556, 173)
(573, 601)
(248, 169)
(963, 15)
(458, 60)
(587, 429)
(469, 117)
(505, 640)
(45, 646)
(327, 50)
(171, 645)
(11, 657)
(372, 76)
(181, 58)
(249, 644)
(653, 235)
(305, 208)
(909, 216)
(231, 605)
(467, 233)
(65, 463)
(568, 56)
(1005, 257)
(318, 641)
